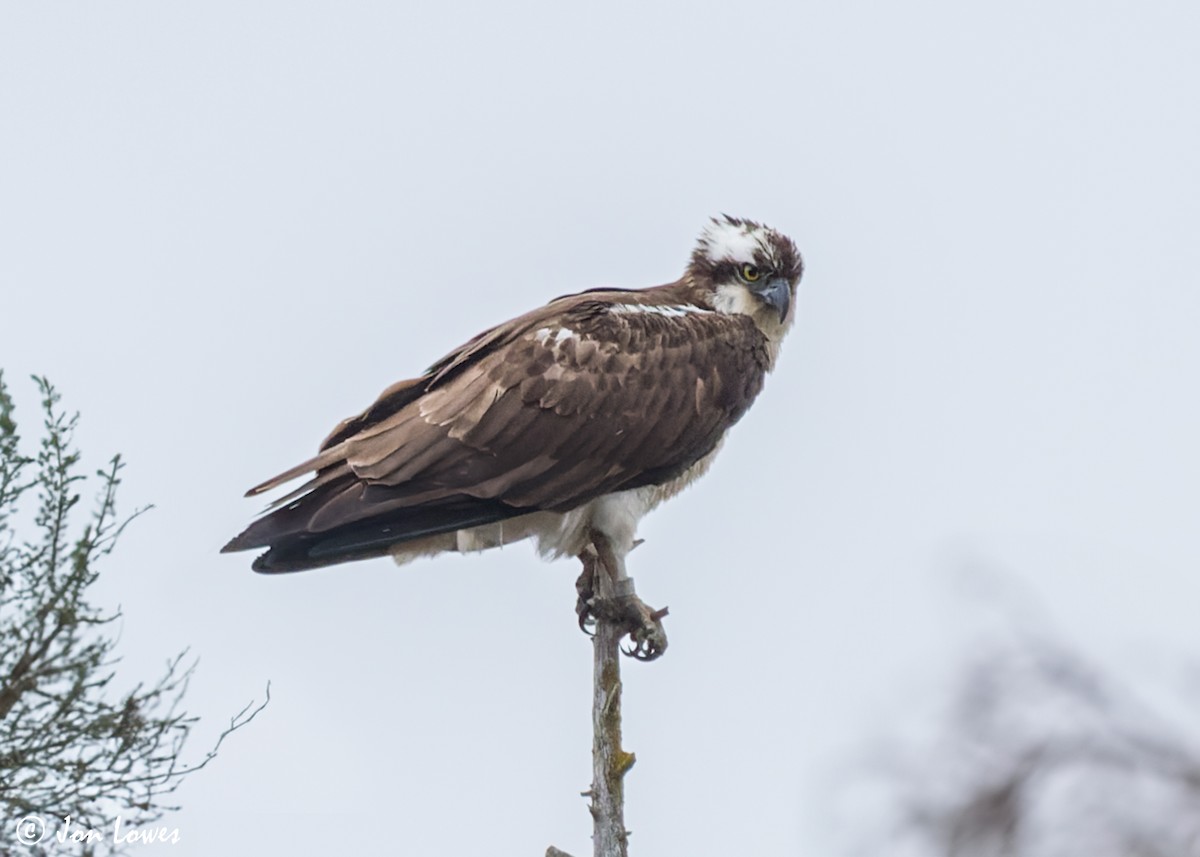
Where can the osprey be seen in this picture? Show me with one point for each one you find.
(565, 425)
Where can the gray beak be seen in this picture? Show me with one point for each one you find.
(776, 293)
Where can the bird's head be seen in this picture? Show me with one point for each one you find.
(745, 267)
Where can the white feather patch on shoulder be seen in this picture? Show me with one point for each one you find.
(546, 335)
(724, 240)
(653, 309)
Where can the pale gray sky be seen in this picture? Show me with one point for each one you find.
(225, 226)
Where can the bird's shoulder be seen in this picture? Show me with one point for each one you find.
(572, 331)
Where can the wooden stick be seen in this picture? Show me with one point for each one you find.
(609, 762)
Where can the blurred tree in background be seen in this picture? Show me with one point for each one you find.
(69, 744)
(1042, 754)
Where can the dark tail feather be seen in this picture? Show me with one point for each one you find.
(292, 547)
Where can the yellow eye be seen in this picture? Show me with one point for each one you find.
(750, 273)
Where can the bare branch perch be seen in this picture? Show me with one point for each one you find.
(610, 762)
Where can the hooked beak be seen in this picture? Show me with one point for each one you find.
(777, 294)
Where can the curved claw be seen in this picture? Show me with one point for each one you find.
(622, 608)
(641, 652)
(585, 603)
(587, 618)
(649, 641)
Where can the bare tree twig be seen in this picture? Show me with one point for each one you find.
(70, 744)
(609, 762)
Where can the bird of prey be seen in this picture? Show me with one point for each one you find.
(565, 425)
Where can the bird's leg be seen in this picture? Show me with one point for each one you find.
(611, 597)
(586, 586)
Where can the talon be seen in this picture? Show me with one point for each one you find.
(649, 641)
(617, 603)
(587, 617)
(647, 638)
(585, 603)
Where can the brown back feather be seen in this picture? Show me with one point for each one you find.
(522, 418)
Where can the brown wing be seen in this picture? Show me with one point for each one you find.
(547, 412)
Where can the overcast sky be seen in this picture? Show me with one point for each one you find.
(226, 226)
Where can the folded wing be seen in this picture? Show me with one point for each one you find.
(551, 410)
